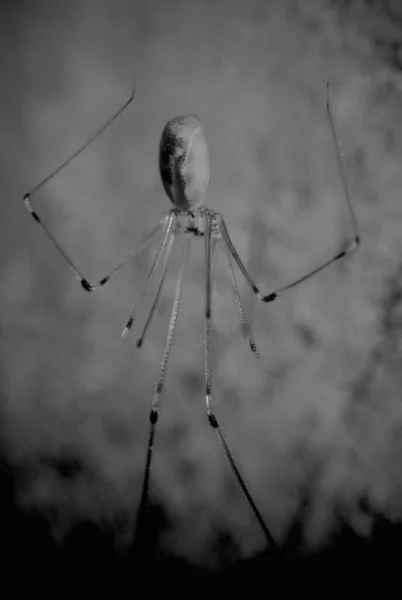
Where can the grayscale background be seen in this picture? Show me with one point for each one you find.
(317, 422)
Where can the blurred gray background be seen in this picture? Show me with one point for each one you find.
(318, 419)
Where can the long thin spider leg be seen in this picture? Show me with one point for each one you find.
(240, 310)
(352, 246)
(208, 388)
(341, 171)
(155, 401)
(130, 255)
(218, 429)
(208, 296)
(153, 417)
(273, 295)
(168, 253)
(81, 149)
(166, 234)
(27, 202)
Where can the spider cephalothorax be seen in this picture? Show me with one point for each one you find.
(192, 222)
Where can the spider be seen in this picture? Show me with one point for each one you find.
(184, 170)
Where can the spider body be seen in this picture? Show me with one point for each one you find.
(184, 162)
(184, 170)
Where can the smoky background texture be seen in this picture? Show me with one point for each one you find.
(317, 421)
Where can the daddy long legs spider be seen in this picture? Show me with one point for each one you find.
(184, 170)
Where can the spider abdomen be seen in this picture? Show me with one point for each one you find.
(184, 162)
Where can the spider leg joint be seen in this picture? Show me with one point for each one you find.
(86, 285)
(270, 297)
(212, 420)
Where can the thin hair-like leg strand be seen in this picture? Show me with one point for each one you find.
(168, 254)
(339, 154)
(140, 526)
(238, 303)
(166, 233)
(76, 153)
(273, 295)
(208, 297)
(208, 387)
(345, 249)
(27, 202)
(155, 401)
(130, 255)
(218, 429)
